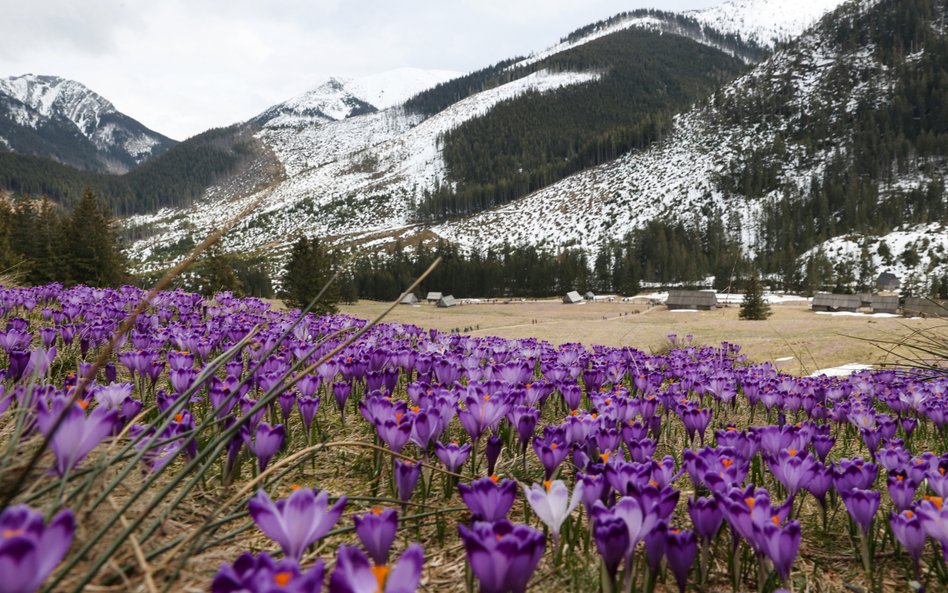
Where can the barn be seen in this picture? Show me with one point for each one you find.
(827, 301)
(702, 300)
(433, 297)
(447, 300)
(572, 298)
(410, 299)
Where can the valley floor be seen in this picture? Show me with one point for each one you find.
(814, 341)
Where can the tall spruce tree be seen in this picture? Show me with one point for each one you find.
(754, 306)
(89, 250)
(306, 273)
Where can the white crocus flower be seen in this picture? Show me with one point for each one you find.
(552, 503)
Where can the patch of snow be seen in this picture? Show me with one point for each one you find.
(765, 22)
(842, 371)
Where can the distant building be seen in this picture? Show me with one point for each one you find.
(701, 300)
(572, 298)
(589, 296)
(884, 303)
(447, 301)
(922, 307)
(888, 282)
(410, 299)
(433, 297)
(825, 301)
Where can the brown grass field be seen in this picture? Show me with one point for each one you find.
(814, 341)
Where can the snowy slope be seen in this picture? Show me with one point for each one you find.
(678, 179)
(344, 183)
(765, 22)
(49, 107)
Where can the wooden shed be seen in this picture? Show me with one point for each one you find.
(433, 297)
(882, 303)
(447, 300)
(826, 301)
(888, 282)
(590, 296)
(922, 307)
(572, 298)
(410, 299)
(701, 300)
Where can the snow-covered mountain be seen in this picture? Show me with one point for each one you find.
(341, 98)
(62, 119)
(766, 22)
(355, 171)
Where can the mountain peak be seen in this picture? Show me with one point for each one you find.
(51, 116)
(765, 22)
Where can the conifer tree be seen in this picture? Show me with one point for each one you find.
(89, 251)
(754, 306)
(217, 273)
(307, 271)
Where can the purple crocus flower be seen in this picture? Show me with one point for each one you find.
(681, 547)
(793, 469)
(452, 455)
(355, 574)
(552, 503)
(262, 574)
(394, 432)
(637, 519)
(492, 452)
(706, 516)
(30, 550)
(298, 521)
(612, 540)
(780, 543)
(503, 556)
(267, 441)
(77, 434)
(489, 499)
(934, 517)
(376, 530)
(551, 455)
(901, 490)
(907, 528)
(308, 406)
(406, 476)
(862, 506)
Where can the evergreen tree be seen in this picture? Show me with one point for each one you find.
(217, 273)
(754, 306)
(305, 275)
(89, 249)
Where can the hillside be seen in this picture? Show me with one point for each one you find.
(842, 132)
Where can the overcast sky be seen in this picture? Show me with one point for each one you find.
(183, 66)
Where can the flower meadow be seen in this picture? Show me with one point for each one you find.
(219, 445)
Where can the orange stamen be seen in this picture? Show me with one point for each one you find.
(377, 511)
(381, 574)
(909, 514)
(792, 452)
(547, 484)
(750, 501)
(8, 533)
(727, 462)
(604, 456)
(179, 417)
(295, 487)
(83, 404)
(415, 409)
(935, 500)
(776, 520)
(282, 579)
(554, 446)
(495, 478)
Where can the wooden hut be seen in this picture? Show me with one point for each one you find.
(433, 297)
(884, 303)
(590, 296)
(701, 300)
(922, 307)
(888, 282)
(447, 300)
(410, 299)
(572, 297)
(826, 301)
